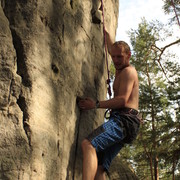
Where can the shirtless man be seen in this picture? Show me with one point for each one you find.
(104, 143)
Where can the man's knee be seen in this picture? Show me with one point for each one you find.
(86, 145)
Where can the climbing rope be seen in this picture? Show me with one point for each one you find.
(106, 54)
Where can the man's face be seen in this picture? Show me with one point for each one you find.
(120, 57)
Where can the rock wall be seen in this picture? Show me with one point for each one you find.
(50, 53)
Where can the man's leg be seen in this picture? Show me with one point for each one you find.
(100, 174)
(90, 161)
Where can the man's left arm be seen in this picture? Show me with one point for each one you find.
(125, 89)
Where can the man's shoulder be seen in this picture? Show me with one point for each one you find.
(129, 69)
(129, 73)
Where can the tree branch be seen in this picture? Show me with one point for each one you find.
(172, 2)
(165, 47)
(161, 53)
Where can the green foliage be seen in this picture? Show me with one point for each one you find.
(158, 144)
(112, 71)
(170, 6)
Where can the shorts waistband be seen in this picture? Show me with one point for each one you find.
(127, 110)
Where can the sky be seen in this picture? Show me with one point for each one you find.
(132, 11)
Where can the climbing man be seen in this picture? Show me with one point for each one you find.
(104, 143)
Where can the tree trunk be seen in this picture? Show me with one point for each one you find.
(156, 172)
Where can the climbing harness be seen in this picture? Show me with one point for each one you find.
(106, 54)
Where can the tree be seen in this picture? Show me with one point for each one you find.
(172, 7)
(157, 143)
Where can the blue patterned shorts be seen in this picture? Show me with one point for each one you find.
(110, 137)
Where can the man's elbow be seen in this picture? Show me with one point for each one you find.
(122, 102)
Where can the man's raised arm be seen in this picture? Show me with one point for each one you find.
(109, 42)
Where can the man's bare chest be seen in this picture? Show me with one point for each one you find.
(116, 85)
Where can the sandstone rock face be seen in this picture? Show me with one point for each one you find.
(50, 53)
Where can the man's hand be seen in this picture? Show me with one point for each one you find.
(87, 103)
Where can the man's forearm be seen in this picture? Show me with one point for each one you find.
(114, 103)
(109, 42)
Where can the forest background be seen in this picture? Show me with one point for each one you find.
(156, 152)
